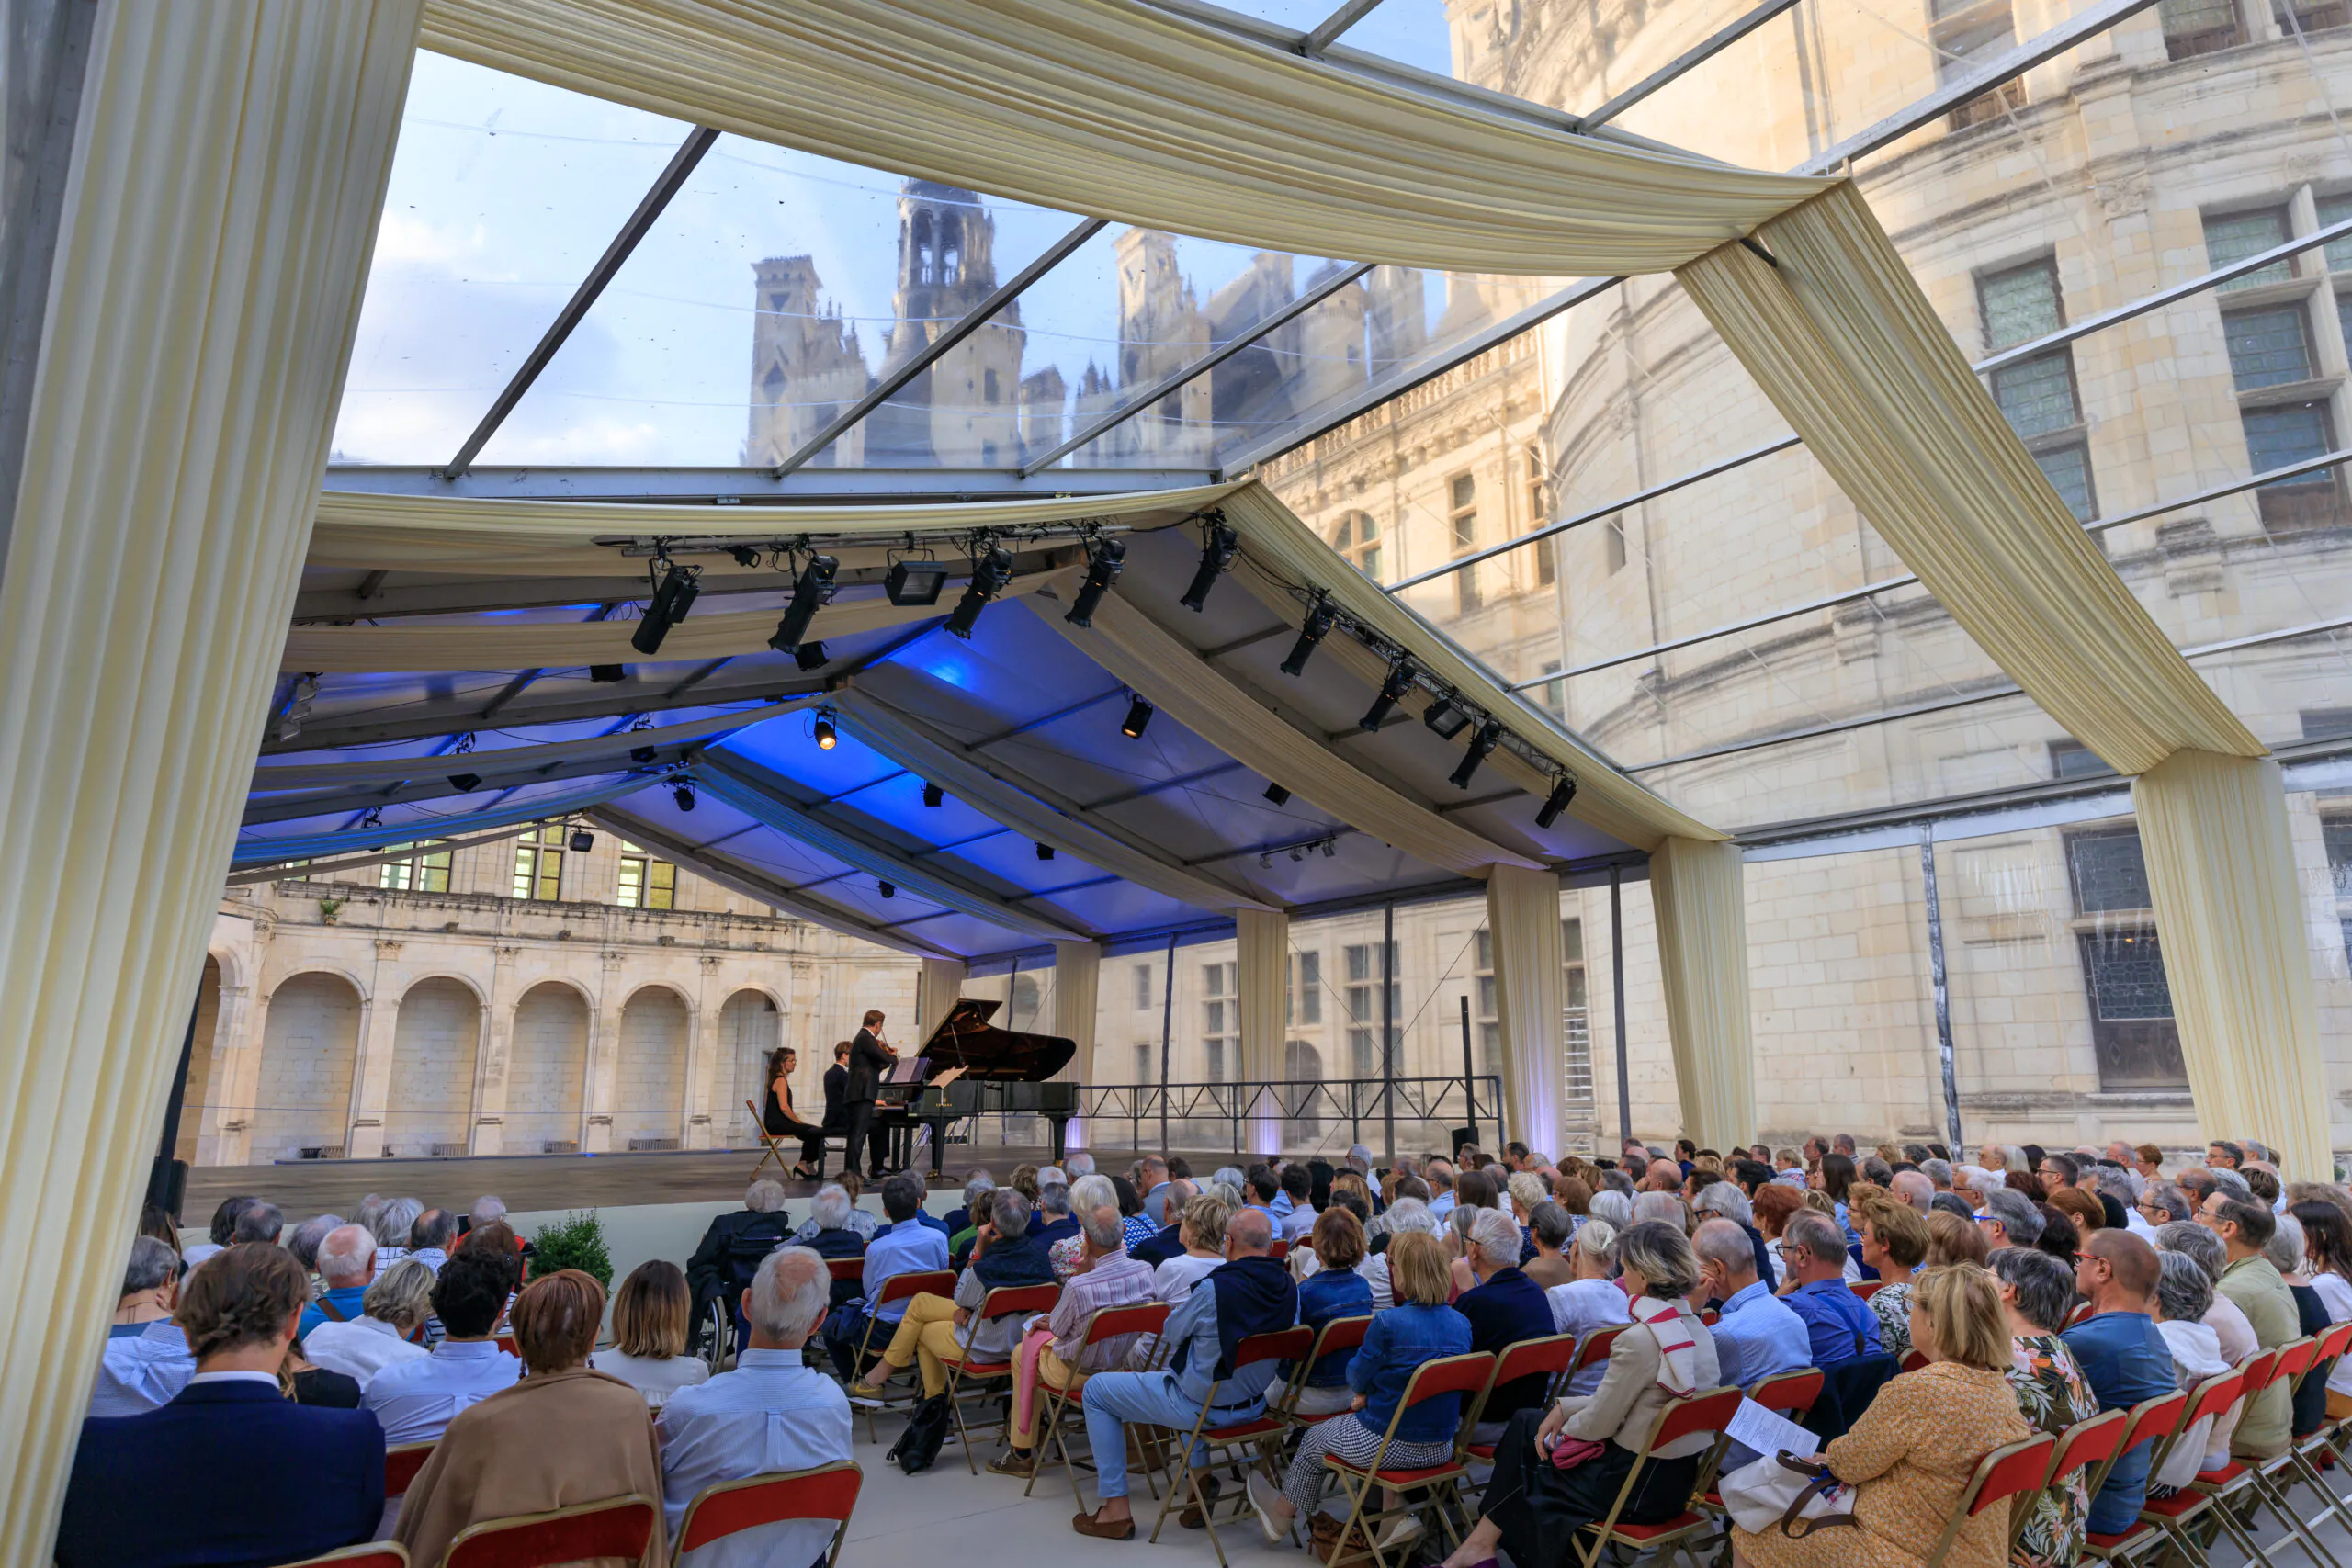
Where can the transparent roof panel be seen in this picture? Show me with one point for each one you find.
(502, 193)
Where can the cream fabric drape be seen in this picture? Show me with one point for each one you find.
(228, 165)
(1136, 649)
(1523, 923)
(1850, 350)
(1078, 973)
(1696, 890)
(938, 985)
(1135, 115)
(2229, 912)
(1262, 942)
(970, 777)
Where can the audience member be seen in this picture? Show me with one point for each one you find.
(1954, 1238)
(1085, 1195)
(2160, 1203)
(365, 1216)
(2038, 1292)
(389, 1329)
(1439, 1173)
(303, 1241)
(430, 1238)
(1133, 1222)
(394, 1224)
(1153, 1178)
(1055, 1354)
(906, 1246)
(1056, 1217)
(1550, 1227)
(650, 1318)
(1757, 1336)
(1838, 1323)
(2254, 1285)
(1250, 1295)
(2184, 1297)
(1533, 1510)
(146, 1360)
(1894, 1242)
(347, 1263)
(2230, 1327)
(2327, 1248)
(1336, 1290)
(1938, 1172)
(1593, 1299)
(1913, 1190)
(2307, 1401)
(1168, 1242)
(1774, 1206)
(1725, 1201)
(771, 1413)
(1298, 1185)
(2009, 1219)
(487, 1211)
(564, 1435)
(415, 1401)
(836, 1226)
(1504, 1307)
(257, 1221)
(2123, 1356)
(1406, 1216)
(176, 1485)
(978, 1183)
(1006, 1253)
(1911, 1453)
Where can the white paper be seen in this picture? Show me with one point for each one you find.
(1768, 1432)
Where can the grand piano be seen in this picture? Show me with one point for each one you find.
(1002, 1070)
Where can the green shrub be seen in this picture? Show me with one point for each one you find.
(577, 1242)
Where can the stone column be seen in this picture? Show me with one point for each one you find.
(701, 1101)
(371, 1070)
(227, 1138)
(493, 1052)
(603, 1058)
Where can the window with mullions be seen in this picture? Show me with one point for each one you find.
(2038, 396)
(2270, 347)
(1306, 1002)
(1359, 539)
(2236, 235)
(2285, 434)
(1484, 1014)
(538, 864)
(2198, 26)
(2295, 17)
(1576, 1022)
(1461, 513)
(1220, 1018)
(2335, 210)
(646, 883)
(2335, 832)
(1539, 512)
(1145, 995)
(1362, 996)
(423, 870)
(1963, 31)
(2132, 1031)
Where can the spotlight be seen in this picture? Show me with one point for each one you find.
(888, 889)
(915, 581)
(609, 674)
(934, 795)
(1445, 719)
(683, 792)
(826, 738)
(1044, 852)
(1278, 794)
(583, 841)
(1489, 735)
(812, 656)
(642, 753)
(1311, 631)
(1330, 848)
(668, 606)
(991, 572)
(1219, 545)
(1138, 719)
(1401, 676)
(744, 555)
(464, 784)
(1557, 801)
(1105, 558)
(298, 706)
(373, 818)
(810, 590)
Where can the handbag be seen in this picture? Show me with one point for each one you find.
(918, 1446)
(1569, 1452)
(1779, 1492)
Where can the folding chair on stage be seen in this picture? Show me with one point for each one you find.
(729, 1508)
(617, 1526)
(897, 1288)
(1107, 1323)
(1002, 1302)
(1362, 1483)
(1708, 1411)
(771, 1146)
(1259, 1432)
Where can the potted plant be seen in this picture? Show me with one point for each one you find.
(577, 1241)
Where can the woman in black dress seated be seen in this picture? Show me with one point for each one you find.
(1532, 1508)
(783, 1121)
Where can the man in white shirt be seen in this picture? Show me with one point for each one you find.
(398, 1301)
(147, 1360)
(430, 1238)
(771, 1413)
(416, 1400)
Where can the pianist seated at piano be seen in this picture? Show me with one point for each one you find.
(1005, 1253)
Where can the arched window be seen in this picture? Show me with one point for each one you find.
(926, 263)
(1359, 539)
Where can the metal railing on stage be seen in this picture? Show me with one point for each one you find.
(1314, 1115)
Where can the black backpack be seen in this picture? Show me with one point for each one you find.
(918, 1446)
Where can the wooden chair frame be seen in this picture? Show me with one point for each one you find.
(1708, 1410)
(769, 1149)
(476, 1546)
(1260, 1432)
(1465, 1375)
(1002, 1302)
(1104, 1323)
(720, 1495)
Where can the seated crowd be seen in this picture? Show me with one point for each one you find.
(1951, 1306)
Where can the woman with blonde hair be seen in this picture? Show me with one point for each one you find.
(652, 1312)
(390, 1330)
(1910, 1455)
(1201, 1230)
(1894, 1242)
(1952, 1239)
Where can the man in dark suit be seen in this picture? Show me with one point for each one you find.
(837, 1091)
(231, 1471)
(870, 1060)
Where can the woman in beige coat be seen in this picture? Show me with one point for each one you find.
(563, 1436)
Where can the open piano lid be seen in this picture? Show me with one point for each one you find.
(965, 1039)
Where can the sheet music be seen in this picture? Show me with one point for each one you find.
(949, 1076)
(909, 1070)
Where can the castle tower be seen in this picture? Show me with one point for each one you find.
(964, 410)
(806, 364)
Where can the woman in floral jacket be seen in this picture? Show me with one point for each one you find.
(2052, 1394)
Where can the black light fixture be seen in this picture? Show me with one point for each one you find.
(683, 792)
(745, 555)
(1557, 801)
(583, 841)
(1278, 794)
(990, 571)
(464, 784)
(1044, 852)
(1489, 736)
(934, 795)
(809, 591)
(642, 753)
(1401, 676)
(915, 581)
(823, 730)
(1311, 631)
(1219, 545)
(1137, 720)
(671, 599)
(812, 656)
(609, 674)
(1446, 719)
(888, 889)
(1105, 558)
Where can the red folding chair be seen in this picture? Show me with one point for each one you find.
(2010, 1470)
(508, 1343)
(2308, 1450)
(1706, 1411)
(1866, 1289)
(2274, 1480)
(897, 1288)
(2168, 1422)
(1338, 1334)
(401, 1465)
(1362, 1483)
(1550, 1357)
(617, 1526)
(730, 1507)
(1593, 1349)
(852, 1270)
(1788, 1394)
(1106, 1324)
(369, 1554)
(1278, 1250)
(1259, 1432)
(962, 1369)
(2093, 1445)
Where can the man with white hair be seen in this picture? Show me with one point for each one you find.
(487, 1211)
(771, 1413)
(1757, 1336)
(1504, 1307)
(147, 1360)
(1938, 1172)
(392, 1228)
(1915, 1188)
(1725, 1201)
(347, 1264)
(1078, 1163)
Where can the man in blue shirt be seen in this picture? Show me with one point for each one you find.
(1757, 1335)
(907, 1246)
(347, 1263)
(2122, 1355)
(1838, 1323)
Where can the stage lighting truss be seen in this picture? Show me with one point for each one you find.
(299, 698)
(1327, 845)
